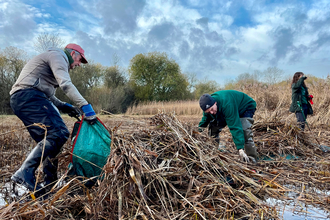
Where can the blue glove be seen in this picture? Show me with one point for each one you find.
(90, 115)
(70, 110)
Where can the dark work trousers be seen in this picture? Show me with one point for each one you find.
(33, 106)
(248, 113)
(301, 120)
(215, 126)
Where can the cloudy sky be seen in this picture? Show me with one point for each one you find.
(217, 39)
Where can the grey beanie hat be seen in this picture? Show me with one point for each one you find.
(206, 101)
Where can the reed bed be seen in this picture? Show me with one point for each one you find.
(273, 102)
(169, 170)
(190, 107)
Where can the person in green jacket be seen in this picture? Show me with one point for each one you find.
(235, 109)
(300, 99)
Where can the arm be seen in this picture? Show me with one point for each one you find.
(205, 121)
(60, 68)
(296, 86)
(234, 124)
(65, 107)
(58, 103)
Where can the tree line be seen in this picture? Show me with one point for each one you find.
(150, 77)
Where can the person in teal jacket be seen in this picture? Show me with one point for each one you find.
(233, 109)
(300, 99)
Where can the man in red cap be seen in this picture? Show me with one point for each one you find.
(33, 101)
(76, 49)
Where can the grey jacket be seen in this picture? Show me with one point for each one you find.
(46, 72)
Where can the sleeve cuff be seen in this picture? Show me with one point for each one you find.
(240, 147)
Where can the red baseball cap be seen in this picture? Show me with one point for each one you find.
(78, 48)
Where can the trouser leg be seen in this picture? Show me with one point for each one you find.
(214, 131)
(300, 120)
(249, 145)
(25, 175)
(32, 106)
(50, 171)
(302, 117)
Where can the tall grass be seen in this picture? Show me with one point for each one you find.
(177, 107)
(273, 102)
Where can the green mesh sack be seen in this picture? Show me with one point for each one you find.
(90, 149)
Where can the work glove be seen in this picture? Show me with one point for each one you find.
(89, 113)
(70, 110)
(310, 98)
(243, 156)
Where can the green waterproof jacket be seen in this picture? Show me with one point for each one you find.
(231, 104)
(297, 96)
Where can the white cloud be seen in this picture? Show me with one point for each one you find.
(3, 5)
(319, 10)
(16, 22)
(202, 36)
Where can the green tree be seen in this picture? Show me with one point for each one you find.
(155, 77)
(12, 61)
(117, 95)
(114, 100)
(85, 78)
(114, 77)
(205, 86)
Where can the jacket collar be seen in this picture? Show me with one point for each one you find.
(69, 56)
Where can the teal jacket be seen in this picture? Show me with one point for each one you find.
(231, 104)
(297, 96)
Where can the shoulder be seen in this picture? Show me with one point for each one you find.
(58, 56)
(56, 52)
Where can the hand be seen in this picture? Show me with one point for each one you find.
(90, 115)
(70, 110)
(91, 119)
(201, 129)
(243, 156)
(310, 99)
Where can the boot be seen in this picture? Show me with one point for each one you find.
(249, 146)
(25, 175)
(301, 125)
(50, 172)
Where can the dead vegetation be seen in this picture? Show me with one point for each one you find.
(165, 169)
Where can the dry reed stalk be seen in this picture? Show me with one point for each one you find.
(179, 107)
(171, 171)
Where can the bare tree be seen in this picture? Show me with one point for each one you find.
(273, 75)
(244, 77)
(47, 40)
(257, 75)
(115, 60)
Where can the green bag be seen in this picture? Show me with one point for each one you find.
(90, 149)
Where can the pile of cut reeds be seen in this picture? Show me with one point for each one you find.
(171, 171)
(295, 160)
